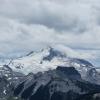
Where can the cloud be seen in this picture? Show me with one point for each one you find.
(32, 24)
(65, 15)
(76, 53)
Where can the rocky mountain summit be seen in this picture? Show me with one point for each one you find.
(63, 83)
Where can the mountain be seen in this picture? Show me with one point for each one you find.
(50, 58)
(62, 83)
(8, 80)
(49, 74)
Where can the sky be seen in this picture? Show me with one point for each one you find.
(27, 25)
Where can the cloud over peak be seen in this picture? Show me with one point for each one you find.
(31, 24)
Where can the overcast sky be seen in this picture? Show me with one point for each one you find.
(31, 24)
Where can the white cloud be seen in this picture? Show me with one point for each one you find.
(76, 53)
(31, 24)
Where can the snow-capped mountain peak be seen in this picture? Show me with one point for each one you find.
(48, 59)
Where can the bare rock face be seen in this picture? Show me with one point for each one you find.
(8, 80)
(63, 83)
(91, 96)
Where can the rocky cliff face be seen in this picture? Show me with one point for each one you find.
(63, 83)
(8, 80)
